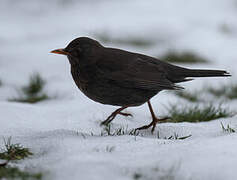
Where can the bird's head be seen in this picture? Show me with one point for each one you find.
(78, 49)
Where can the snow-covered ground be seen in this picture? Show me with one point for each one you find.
(58, 131)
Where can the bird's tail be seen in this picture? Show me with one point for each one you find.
(205, 73)
(183, 74)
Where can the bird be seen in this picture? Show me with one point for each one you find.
(126, 79)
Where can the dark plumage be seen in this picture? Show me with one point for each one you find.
(121, 78)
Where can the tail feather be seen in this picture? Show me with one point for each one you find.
(183, 74)
(205, 73)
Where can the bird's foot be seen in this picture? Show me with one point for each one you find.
(153, 124)
(125, 114)
(114, 114)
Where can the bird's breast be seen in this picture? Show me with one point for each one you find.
(101, 89)
(80, 78)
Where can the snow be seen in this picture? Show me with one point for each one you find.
(59, 131)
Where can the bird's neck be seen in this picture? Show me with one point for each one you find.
(72, 61)
(81, 74)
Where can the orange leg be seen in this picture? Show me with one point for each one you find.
(155, 120)
(114, 114)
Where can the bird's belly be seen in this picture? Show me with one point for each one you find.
(112, 94)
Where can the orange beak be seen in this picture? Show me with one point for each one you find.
(60, 51)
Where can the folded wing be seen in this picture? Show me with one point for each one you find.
(136, 73)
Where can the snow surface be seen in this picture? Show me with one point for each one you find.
(59, 131)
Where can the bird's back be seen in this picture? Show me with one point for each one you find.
(146, 64)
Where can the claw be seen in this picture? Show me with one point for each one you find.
(153, 124)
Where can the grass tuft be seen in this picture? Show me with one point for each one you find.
(228, 91)
(175, 136)
(137, 176)
(107, 131)
(110, 148)
(156, 173)
(185, 57)
(227, 128)
(132, 41)
(14, 151)
(8, 172)
(33, 92)
(192, 97)
(196, 114)
(31, 100)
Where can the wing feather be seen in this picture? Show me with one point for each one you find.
(136, 72)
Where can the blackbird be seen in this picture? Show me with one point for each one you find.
(122, 78)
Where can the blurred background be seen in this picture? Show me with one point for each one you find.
(198, 34)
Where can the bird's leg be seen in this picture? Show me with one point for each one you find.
(155, 120)
(114, 114)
